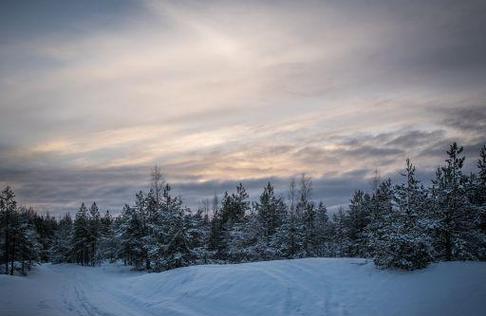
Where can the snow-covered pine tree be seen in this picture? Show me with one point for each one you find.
(323, 231)
(406, 244)
(14, 239)
(175, 239)
(310, 243)
(341, 243)
(288, 241)
(131, 238)
(289, 238)
(306, 215)
(216, 241)
(357, 220)
(107, 241)
(80, 238)
(480, 191)
(45, 226)
(94, 225)
(270, 213)
(27, 240)
(234, 211)
(20, 242)
(456, 231)
(61, 248)
(8, 213)
(198, 232)
(227, 225)
(380, 213)
(163, 227)
(177, 252)
(147, 213)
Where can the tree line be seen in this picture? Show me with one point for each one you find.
(405, 226)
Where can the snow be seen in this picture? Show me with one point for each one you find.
(314, 286)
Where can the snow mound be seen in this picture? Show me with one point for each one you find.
(288, 287)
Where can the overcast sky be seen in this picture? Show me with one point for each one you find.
(94, 93)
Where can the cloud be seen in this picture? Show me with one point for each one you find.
(470, 119)
(220, 91)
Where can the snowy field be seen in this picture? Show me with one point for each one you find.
(287, 287)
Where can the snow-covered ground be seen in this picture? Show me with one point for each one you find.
(287, 287)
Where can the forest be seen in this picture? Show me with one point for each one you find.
(403, 226)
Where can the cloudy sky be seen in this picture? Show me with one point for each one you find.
(94, 93)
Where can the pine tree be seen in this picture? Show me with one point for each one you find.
(131, 237)
(270, 211)
(262, 225)
(94, 224)
(292, 240)
(228, 223)
(8, 216)
(217, 241)
(305, 218)
(107, 241)
(198, 233)
(323, 231)
(46, 227)
(357, 221)
(177, 250)
(341, 244)
(288, 240)
(480, 190)
(27, 239)
(380, 217)
(406, 244)
(456, 234)
(80, 239)
(235, 206)
(61, 249)
(310, 233)
(164, 227)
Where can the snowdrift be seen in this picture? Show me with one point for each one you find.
(287, 287)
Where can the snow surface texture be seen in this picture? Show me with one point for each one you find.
(286, 287)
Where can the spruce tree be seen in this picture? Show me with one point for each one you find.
(323, 231)
(8, 209)
(198, 227)
(94, 225)
(61, 250)
(107, 241)
(27, 239)
(228, 224)
(342, 246)
(406, 244)
(130, 234)
(456, 231)
(380, 217)
(80, 239)
(357, 221)
(480, 190)
(288, 240)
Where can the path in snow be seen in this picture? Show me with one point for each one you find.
(287, 287)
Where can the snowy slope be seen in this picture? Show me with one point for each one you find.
(287, 287)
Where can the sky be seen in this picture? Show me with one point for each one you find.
(95, 93)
